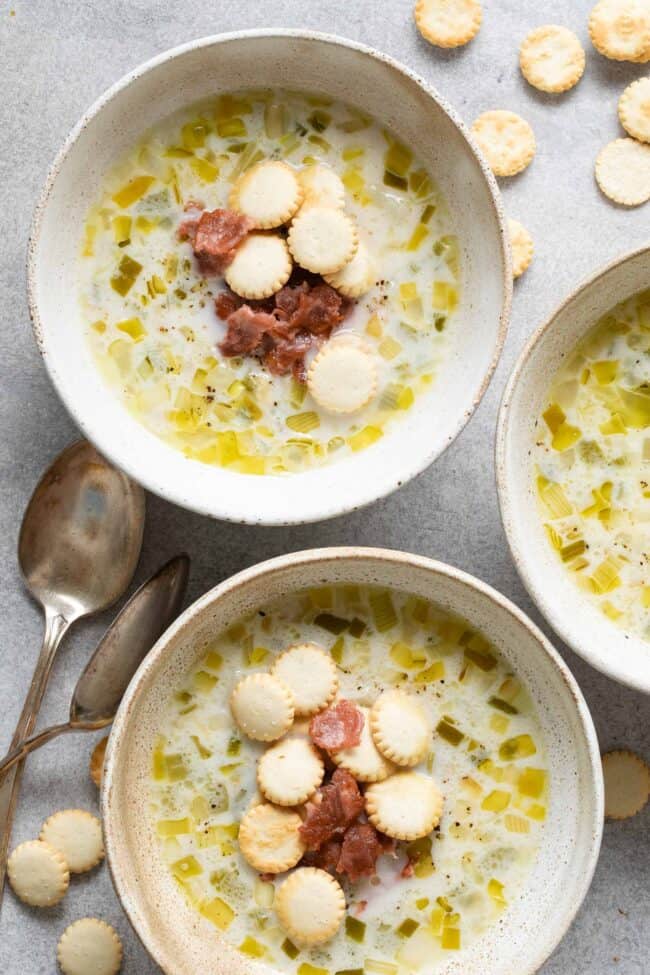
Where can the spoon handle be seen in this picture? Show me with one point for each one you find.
(31, 744)
(55, 629)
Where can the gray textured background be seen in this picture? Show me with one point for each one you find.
(56, 57)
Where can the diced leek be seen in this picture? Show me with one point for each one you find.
(252, 948)
(355, 929)
(173, 827)
(516, 824)
(444, 296)
(419, 854)
(200, 747)
(434, 672)
(495, 889)
(615, 424)
(120, 352)
(193, 135)
(90, 233)
(645, 597)
(218, 912)
(331, 623)
(407, 928)
(389, 348)
(121, 229)
(499, 723)
(422, 903)
(188, 867)
(158, 765)
(127, 272)
(420, 233)
(319, 120)
(554, 498)
(519, 747)
(336, 650)
(565, 436)
(373, 327)
(307, 969)
(531, 782)
(535, 811)
(364, 438)
(394, 181)
(605, 577)
(99, 327)
(449, 732)
(204, 682)
(383, 610)
(605, 371)
(572, 549)
(176, 768)
(398, 158)
(501, 705)
(554, 417)
(496, 801)
(290, 949)
(405, 657)
(133, 190)
(355, 124)
(451, 939)
(303, 422)
(206, 171)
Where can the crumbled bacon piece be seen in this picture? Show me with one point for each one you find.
(216, 237)
(337, 727)
(246, 331)
(326, 857)
(319, 310)
(360, 851)
(226, 303)
(334, 807)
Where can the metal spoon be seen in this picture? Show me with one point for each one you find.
(79, 544)
(122, 649)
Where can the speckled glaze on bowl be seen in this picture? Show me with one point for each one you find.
(300, 60)
(532, 925)
(624, 657)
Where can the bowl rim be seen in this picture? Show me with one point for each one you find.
(217, 509)
(279, 563)
(505, 490)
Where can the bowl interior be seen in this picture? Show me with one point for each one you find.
(312, 63)
(589, 632)
(532, 925)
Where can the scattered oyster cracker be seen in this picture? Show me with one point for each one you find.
(269, 838)
(77, 835)
(521, 244)
(448, 23)
(405, 806)
(400, 728)
(96, 766)
(623, 171)
(322, 239)
(290, 771)
(364, 761)
(356, 277)
(311, 675)
(38, 873)
(342, 377)
(260, 267)
(627, 784)
(620, 29)
(552, 58)
(321, 187)
(506, 140)
(262, 707)
(89, 947)
(310, 905)
(268, 194)
(634, 109)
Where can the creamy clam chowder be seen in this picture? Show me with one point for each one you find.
(484, 756)
(240, 388)
(592, 457)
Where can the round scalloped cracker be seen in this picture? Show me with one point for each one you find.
(290, 771)
(262, 706)
(357, 277)
(448, 23)
(96, 766)
(627, 784)
(620, 29)
(311, 675)
(260, 267)
(342, 378)
(552, 58)
(269, 838)
(310, 905)
(634, 109)
(400, 727)
(322, 239)
(364, 761)
(321, 186)
(268, 193)
(89, 947)
(77, 834)
(38, 873)
(521, 244)
(406, 806)
(623, 171)
(506, 140)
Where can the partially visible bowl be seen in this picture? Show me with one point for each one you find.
(560, 877)
(297, 60)
(603, 644)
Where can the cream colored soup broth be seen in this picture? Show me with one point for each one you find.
(487, 756)
(149, 311)
(592, 456)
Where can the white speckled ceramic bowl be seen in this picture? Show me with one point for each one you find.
(534, 922)
(295, 59)
(579, 622)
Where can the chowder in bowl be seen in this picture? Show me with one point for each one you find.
(573, 455)
(257, 365)
(469, 884)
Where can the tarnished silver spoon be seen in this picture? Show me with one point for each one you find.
(79, 544)
(122, 649)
